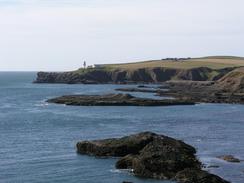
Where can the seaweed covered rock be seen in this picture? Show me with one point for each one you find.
(162, 158)
(198, 176)
(116, 147)
(115, 100)
(151, 155)
(230, 158)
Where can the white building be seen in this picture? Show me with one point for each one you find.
(98, 65)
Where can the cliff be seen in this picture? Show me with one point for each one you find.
(233, 81)
(140, 75)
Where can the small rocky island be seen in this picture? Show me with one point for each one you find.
(230, 158)
(115, 100)
(151, 155)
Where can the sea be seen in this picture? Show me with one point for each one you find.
(37, 139)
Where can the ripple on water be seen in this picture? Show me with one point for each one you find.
(38, 140)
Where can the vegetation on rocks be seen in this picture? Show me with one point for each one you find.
(153, 156)
(114, 100)
(157, 71)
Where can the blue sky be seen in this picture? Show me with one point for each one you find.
(60, 34)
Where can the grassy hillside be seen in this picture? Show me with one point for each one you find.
(215, 62)
(155, 71)
(233, 81)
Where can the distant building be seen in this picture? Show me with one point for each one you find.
(176, 59)
(90, 66)
(98, 65)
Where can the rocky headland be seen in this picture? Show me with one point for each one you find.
(212, 79)
(115, 100)
(151, 155)
(228, 89)
(152, 71)
(128, 76)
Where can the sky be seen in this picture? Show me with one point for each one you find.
(58, 35)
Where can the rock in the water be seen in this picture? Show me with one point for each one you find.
(213, 166)
(117, 146)
(115, 100)
(230, 158)
(143, 90)
(162, 159)
(152, 156)
(198, 176)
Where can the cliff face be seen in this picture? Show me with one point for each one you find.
(142, 75)
(233, 81)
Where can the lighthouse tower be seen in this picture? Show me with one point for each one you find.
(84, 64)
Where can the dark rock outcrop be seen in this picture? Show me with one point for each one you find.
(213, 166)
(116, 147)
(230, 158)
(161, 159)
(203, 91)
(197, 176)
(59, 77)
(137, 90)
(114, 100)
(152, 156)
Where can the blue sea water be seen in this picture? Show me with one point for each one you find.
(37, 140)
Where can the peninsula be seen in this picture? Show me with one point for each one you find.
(156, 71)
(218, 79)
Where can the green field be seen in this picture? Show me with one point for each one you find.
(216, 62)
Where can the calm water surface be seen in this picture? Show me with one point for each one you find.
(37, 140)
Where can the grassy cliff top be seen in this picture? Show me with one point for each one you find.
(215, 62)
